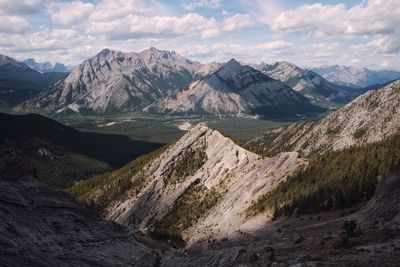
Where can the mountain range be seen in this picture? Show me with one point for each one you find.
(356, 77)
(46, 66)
(115, 82)
(238, 90)
(163, 82)
(18, 82)
(310, 84)
(205, 200)
(218, 199)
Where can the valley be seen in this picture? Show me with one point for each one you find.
(166, 129)
(152, 159)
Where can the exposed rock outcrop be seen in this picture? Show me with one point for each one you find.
(383, 210)
(236, 90)
(115, 81)
(226, 181)
(308, 83)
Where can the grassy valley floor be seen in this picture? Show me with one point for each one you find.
(167, 129)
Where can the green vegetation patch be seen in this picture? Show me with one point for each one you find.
(188, 209)
(336, 179)
(185, 165)
(359, 133)
(61, 171)
(99, 191)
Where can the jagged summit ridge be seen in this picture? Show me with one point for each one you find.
(229, 70)
(225, 172)
(115, 81)
(313, 86)
(235, 90)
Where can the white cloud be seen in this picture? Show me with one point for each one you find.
(237, 22)
(387, 44)
(190, 24)
(13, 24)
(21, 6)
(193, 5)
(250, 53)
(274, 45)
(371, 17)
(70, 13)
(106, 11)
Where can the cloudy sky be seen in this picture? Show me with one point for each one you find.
(308, 33)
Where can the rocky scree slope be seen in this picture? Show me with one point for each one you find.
(310, 241)
(369, 118)
(201, 186)
(43, 227)
(308, 83)
(235, 90)
(115, 81)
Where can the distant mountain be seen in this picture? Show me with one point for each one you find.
(114, 81)
(369, 118)
(308, 83)
(18, 82)
(357, 77)
(45, 66)
(12, 69)
(235, 90)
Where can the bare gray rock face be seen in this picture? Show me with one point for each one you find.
(115, 81)
(313, 86)
(383, 210)
(43, 227)
(235, 90)
(230, 175)
(369, 118)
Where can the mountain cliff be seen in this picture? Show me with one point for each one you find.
(115, 81)
(369, 118)
(236, 90)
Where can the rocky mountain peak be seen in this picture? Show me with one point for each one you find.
(229, 69)
(203, 165)
(286, 64)
(10, 61)
(115, 81)
(105, 52)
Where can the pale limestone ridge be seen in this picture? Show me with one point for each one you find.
(310, 84)
(115, 81)
(237, 90)
(238, 175)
